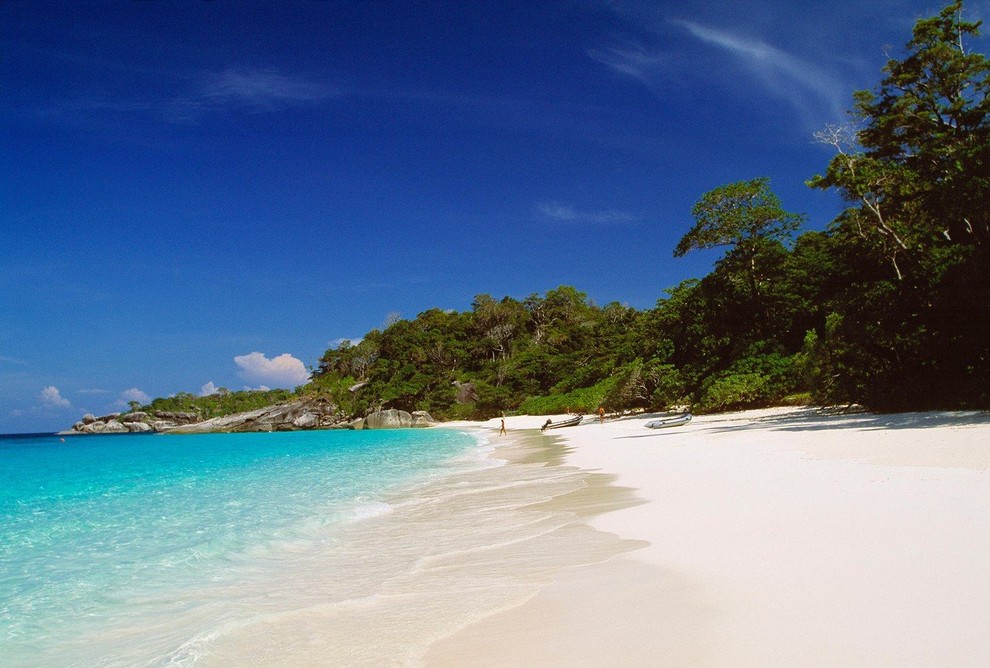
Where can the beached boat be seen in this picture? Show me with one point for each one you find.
(674, 421)
(569, 422)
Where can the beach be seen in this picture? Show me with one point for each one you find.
(789, 536)
(782, 537)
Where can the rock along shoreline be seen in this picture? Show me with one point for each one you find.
(301, 415)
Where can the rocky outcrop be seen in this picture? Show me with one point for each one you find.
(307, 421)
(466, 393)
(135, 422)
(177, 417)
(114, 427)
(395, 419)
(422, 419)
(292, 416)
(388, 419)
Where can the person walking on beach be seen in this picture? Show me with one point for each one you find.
(601, 415)
(501, 431)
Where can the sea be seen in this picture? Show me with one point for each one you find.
(351, 548)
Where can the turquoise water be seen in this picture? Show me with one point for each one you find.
(121, 550)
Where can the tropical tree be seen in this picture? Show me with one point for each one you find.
(748, 217)
(918, 166)
(916, 172)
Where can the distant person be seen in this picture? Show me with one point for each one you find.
(501, 431)
(601, 415)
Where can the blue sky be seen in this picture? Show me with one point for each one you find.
(206, 194)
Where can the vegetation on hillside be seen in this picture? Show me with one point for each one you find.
(221, 402)
(889, 306)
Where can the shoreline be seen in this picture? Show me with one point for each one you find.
(452, 549)
(776, 537)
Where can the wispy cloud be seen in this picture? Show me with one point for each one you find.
(656, 60)
(258, 90)
(632, 60)
(208, 389)
(790, 77)
(4, 359)
(564, 213)
(262, 88)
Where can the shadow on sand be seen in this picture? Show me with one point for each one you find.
(814, 419)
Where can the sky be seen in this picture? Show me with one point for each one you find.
(197, 195)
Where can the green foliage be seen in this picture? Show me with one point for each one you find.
(665, 384)
(738, 214)
(224, 402)
(584, 400)
(758, 380)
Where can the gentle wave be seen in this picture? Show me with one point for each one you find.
(352, 549)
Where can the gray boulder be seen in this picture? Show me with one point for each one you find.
(305, 414)
(136, 416)
(307, 421)
(138, 427)
(177, 417)
(422, 419)
(466, 393)
(88, 418)
(388, 419)
(114, 427)
(95, 427)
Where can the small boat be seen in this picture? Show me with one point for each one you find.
(569, 422)
(674, 421)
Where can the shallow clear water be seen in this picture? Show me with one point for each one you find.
(125, 550)
(287, 549)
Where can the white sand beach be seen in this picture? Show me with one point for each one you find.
(778, 537)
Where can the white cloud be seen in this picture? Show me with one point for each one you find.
(282, 371)
(633, 61)
(208, 389)
(658, 63)
(51, 397)
(132, 394)
(260, 388)
(567, 214)
(791, 78)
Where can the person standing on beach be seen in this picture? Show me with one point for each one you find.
(501, 431)
(601, 415)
